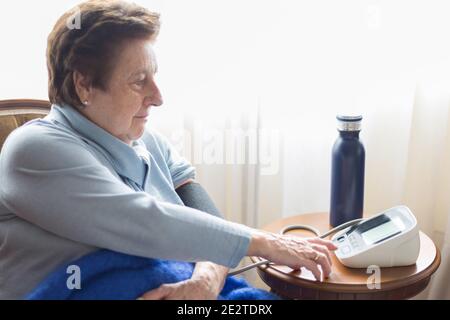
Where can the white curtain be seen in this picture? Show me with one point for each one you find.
(274, 74)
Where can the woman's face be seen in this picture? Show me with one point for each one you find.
(123, 109)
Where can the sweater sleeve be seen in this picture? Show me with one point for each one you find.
(52, 180)
(180, 168)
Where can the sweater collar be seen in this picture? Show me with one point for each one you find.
(128, 161)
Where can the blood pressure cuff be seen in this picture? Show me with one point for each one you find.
(195, 196)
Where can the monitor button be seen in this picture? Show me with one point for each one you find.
(345, 249)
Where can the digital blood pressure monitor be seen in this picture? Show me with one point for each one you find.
(388, 239)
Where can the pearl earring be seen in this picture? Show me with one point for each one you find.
(85, 102)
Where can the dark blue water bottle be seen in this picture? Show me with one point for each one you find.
(347, 172)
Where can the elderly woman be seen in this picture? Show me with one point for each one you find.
(91, 175)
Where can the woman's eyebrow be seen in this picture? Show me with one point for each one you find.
(144, 70)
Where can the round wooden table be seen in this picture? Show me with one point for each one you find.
(344, 282)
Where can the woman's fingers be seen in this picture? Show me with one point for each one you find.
(323, 250)
(327, 243)
(296, 252)
(313, 260)
(156, 294)
(312, 266)
(321, 259)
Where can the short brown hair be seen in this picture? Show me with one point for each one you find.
(92, 48)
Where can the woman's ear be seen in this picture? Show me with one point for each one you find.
(82, 87)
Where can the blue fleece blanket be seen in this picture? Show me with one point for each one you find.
(110, 275)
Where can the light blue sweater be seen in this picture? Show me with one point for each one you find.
(68, 187)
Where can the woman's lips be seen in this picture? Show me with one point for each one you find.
(142, 117)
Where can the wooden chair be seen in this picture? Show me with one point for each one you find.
(14, 113)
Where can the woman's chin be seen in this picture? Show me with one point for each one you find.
(140, 122)
(137, 132)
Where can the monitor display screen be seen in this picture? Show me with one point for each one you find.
(380, 232)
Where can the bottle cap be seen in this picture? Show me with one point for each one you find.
(349, 123)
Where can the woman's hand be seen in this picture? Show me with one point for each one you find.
(294, 252)
(205, 284)
(191, 289)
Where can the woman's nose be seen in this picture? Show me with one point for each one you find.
(157, 98)
(154, 97)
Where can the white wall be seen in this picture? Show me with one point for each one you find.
(301, 61)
